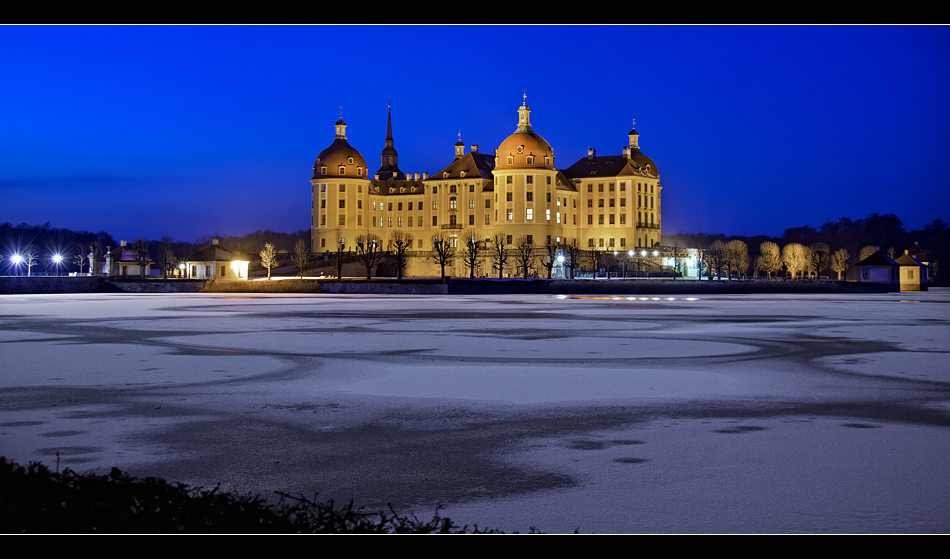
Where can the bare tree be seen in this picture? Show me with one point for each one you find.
(369, 251)
(140, 247)
(524, 255)
(80, 260)
(551, 260)
(573, 253)
(166, 255)
(771, 258)
(795, 257)
(820, 253)
(840, 261)
(301, 256)
(442, 249)
(593, 257)
(737, 257)
(31, 257)
(717, 256)
(339, 258)
(269, 258)
(500, 253)
(866, 251)
(400, 242)
(472, 253)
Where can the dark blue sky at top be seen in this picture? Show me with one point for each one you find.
(190, 131)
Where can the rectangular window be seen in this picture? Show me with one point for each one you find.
(390, 222)
(487, 219)
(342, 186)
(359, 204)
(529, 179)
(508, 179)
(342, 204)
(435, 221)
(558, 217)
(600, 203)
(471, 219)
(530, 196)
(600, 219)
(471, 188)
(511, 215)
(611, 219)
(471, 204)
(623, 219)
(600, 242)
(548, 212)
(612, 202)
(623, 202)
(590, 188)
(399, 206)
(399, 221)
(323, 243)
(435, 205)
(508, 198)
(342, 219)
(611, 242)
(623, 188)
(549, 197)
(323, 220)
(530, 239)
(487, 203)
(590, 203)
(508, 240)
(590, 220)
(611, 188)
(600, 188)
(359, 221)
(323, 204)
(549, 180)
(530, 214)
(623, 240)
(390, 206)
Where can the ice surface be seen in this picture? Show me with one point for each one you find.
(757, 413)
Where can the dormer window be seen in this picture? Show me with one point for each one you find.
(323, 170)
(547, 160)
(342, 170)
(359, 171)
(529, 160)
(511, 160)
(349, 160)
(462, 174)
(445, 175)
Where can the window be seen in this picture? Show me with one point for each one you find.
(529, 179)
(508, 179)
(530, 196)
(549, 197)
(548, 180)
(511, 160)
(452, 189)
(399, 221)
(530, 239)
(508, 197)
(487, 219)
(601, 242)
(590, 220)
(612, 219)
(390, 206)
(471, 188)
(435, 204)
(600, 188)
(323, 220)
(342, 188)
(590, 243)
(623, 240)
(471, 204)
(323, 204)
(590, 188)
(342, 204)
(600, 219)
(611, 242)
(390, 222)
(435, 221)
(399, 206)
(548, 214)
(623, 219)
(323, 171)
(623, 188)
(612, 202)
(590, 203)
(600, 203)
(323, 187)
(508, 240)
(323, 243)
(511, 215)
(623, 202)
(558, 201)
(435, 189)
(471, 219)
(611, 187)
(359, 188)
(453, 204)
(342, 170)
(359, 204)
(342, 219)
(547, 163)
(530, 214)
(487, 203)
(558, 215)
(420, 243)
(529, 160)
(359, 171)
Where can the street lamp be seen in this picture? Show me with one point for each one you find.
(16, 259)
(57, 258)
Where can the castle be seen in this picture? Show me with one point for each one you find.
(517, 193)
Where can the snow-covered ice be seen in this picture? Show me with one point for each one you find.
(741, 413)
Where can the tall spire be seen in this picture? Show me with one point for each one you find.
(389, 167)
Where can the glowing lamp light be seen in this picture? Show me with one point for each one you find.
(16, 259)
(57, 258)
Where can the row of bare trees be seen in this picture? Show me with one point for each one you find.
(795, 259)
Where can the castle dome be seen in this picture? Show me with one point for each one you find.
(522, 145)
(340, 159)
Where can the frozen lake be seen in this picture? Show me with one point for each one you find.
(728, 413)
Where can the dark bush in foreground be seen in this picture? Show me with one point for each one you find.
(35, 500)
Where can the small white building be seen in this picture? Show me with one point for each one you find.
(216, 262)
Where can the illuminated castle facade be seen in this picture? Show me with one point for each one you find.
(605, 202)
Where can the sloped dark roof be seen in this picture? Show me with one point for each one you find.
(472, 163)
(217, 253)
(919, 253)
(564, 182)
(612, 166)
(877, 259)
(381, 187)
(907, 260)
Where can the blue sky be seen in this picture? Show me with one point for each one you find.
(194, 130)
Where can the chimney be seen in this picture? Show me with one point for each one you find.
(214, 241)
(377, 176)
(425, 176)
(475, 148)
(591, 152)
(415, 176)
(121, 243)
